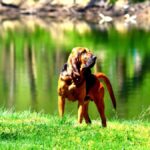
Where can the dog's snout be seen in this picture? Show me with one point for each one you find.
(94, 57)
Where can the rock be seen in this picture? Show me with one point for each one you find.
(143, 18)
(70, 2)
(12, 2)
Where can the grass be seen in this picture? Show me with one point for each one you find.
(28, 130)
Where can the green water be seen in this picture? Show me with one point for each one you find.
(31, 58)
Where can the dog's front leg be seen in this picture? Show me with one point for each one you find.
(61, 105)
(80, 111)
(86, 115)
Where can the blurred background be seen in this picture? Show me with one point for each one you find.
(36, 38)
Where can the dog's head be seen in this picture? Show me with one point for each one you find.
(81, 59)
(87, 60)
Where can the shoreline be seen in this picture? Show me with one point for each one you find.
(134, 15)
(76, 11)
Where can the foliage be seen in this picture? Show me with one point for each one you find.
(37, 131)
(41, 39)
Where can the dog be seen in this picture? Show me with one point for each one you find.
(76, 82)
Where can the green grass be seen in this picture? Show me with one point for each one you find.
(38, 131)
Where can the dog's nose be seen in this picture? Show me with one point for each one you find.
(94, 57)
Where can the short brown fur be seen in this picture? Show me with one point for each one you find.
(78, 64)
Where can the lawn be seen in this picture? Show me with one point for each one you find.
(28, 130)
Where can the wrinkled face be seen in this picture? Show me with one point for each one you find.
(87, 60)
(79, 60)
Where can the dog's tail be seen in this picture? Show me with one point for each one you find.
(109, 87)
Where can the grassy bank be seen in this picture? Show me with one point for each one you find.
(36, 131)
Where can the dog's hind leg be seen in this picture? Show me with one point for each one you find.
(100, 105)
(61, 105)
(86, 115)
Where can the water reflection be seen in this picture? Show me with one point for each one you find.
(31, 67)
(8, 73)
(32, 55)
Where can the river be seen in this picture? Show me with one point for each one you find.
(33, 51)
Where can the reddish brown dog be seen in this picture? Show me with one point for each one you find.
(77, 83)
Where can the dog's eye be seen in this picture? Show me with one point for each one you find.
(84, 51)
(85, 57)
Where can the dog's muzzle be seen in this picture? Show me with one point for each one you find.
(91, 62)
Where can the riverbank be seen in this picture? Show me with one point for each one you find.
(137, 14)
(75, 10)
(37, 131)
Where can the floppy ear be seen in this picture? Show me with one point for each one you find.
(64, 68)
(75, 59)
(75, 65)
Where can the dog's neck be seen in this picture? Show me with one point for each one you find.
(87, 72)
(84, 76)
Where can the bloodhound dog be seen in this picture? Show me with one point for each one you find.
(76, 82)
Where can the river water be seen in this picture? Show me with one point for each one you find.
(33, 51)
